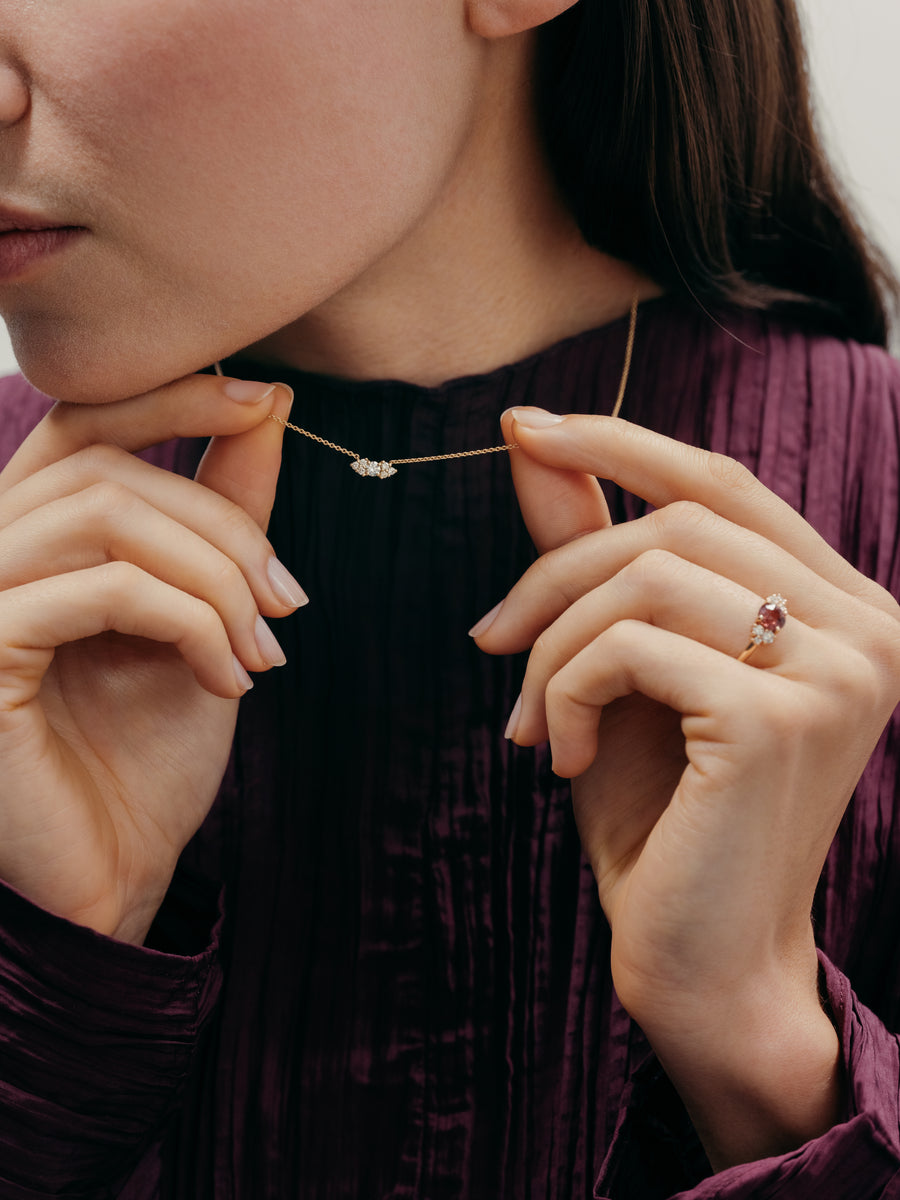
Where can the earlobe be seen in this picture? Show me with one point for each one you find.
(503, 18)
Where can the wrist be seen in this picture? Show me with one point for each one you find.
(759, 1070)
(126, 914)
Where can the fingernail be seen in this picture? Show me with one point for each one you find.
(535, 418)
(284, 585)
(244, 391)
(283, 403)
(486, 621)
(267, 644)
(513, 722)
(244, 682)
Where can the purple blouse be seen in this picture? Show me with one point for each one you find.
(382, 969)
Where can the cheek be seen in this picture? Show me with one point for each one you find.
(237, 172)
(297, 140)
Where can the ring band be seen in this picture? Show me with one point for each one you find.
(769, 623)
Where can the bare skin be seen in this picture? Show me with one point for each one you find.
(397, 202)
(396, 220)
(113, 749)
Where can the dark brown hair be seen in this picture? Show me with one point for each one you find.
(682, 138)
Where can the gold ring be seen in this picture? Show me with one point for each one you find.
(769, 623)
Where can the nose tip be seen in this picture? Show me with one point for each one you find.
(14, 98)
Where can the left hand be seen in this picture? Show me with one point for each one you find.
(707, 791)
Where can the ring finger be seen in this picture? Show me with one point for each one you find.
(686, 531)
(662, 590)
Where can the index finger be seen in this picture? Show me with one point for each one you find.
(661, 471)
(557, 506)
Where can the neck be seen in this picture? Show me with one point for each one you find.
(496, 270)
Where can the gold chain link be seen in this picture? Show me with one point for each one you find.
(395, 462)
(313, 437)
(459, 454)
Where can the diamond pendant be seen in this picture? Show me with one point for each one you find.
(375, 470)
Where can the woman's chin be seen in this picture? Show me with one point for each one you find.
(73, 370)
(84, 386)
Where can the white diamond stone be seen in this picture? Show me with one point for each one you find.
(373, 470)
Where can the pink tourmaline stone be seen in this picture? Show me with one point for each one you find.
(772, 617)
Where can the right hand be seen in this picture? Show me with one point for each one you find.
(125, 592)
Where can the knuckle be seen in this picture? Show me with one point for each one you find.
(237, 523)
(557, 691)
(875, 679)
(882, 605)
(120, 579)
(885, 620)
(552, 578)
(99, 460)
(879, 628)
(227, 579)
(205, 622)
(728, 471)
(107, 498)
(685, 516)
(869, 686)
(198, 621)
(619, 637)
(653, 565)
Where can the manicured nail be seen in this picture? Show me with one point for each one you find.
(513, 723)
(243, 391)
(284, 585)
(486, 621)
(267, 645)
(244, 682)
(284, 403)
(535, 418)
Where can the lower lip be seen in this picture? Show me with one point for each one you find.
(22, 248)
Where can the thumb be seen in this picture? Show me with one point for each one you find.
(244, 467)
(557, 505)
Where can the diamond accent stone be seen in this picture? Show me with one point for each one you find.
(372, 469)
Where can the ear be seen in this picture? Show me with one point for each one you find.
(503, 18)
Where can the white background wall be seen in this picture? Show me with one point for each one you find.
(853, 48)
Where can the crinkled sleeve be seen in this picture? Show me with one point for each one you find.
(97, 1038)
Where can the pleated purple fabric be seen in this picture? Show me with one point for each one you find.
(382, 969)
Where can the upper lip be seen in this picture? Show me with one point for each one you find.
(12, 221)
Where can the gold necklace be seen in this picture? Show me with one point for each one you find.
(371, 469)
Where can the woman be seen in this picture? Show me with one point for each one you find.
(378, 958)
